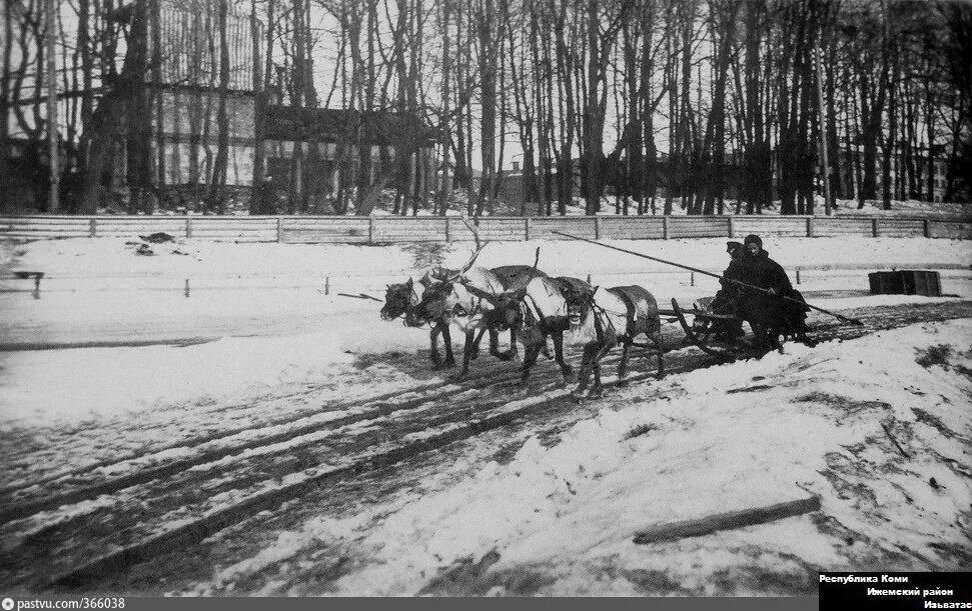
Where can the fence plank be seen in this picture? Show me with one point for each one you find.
(770, 225)
(843, 226)
(696, 227)
(353, 230)
(899, 228)
(633, 228)
(415, 229)
(543, 227)
(497, 229)
(950, 229)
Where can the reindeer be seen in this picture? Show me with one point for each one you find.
(401, 300)
(571, 311)
(535, 311)
(602, 318)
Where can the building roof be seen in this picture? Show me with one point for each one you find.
(330, 124)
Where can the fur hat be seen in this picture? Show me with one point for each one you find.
(753, 239)
(731, 246)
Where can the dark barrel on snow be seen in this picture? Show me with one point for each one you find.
(905, 282)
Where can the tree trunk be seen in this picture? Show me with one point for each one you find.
(890, 140)
(218, 178)
(259, 195)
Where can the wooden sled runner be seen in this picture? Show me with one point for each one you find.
(701, 334)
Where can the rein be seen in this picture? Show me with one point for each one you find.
(598, 324)
(529, 318)
(477, 303)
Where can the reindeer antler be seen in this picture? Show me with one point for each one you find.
(468, 265)
(472, 259)
(475, 232)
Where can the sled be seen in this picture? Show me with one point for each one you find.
(701, 333)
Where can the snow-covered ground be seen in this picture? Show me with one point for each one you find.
(879, 428)
(825, 421)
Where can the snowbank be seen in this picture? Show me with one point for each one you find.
(62, 387)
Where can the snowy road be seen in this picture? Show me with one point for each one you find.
(87, 317)
(162, 487)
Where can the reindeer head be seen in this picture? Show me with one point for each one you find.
(438, 300)
(580, 301)
(398, 299)
(507, 308)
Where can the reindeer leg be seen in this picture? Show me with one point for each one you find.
(530, 352)
(512, 343)
(450, 361)
(623, 364)
(434, 340)
(474, 354)
(467, 353)
(660, 351)
(609, 342)
(558, 342)
(531, 339)
(590, 350)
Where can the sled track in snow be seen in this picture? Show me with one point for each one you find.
(95, 526)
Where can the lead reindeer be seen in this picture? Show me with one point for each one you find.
(401, 300)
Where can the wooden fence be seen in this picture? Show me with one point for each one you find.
(386, 229)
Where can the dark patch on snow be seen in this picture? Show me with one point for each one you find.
(519, 582)
(159, 237)
(934, 355)
(799, 580)
(468, 578)
(958, 555)
(426, 255)
(755, 388)
(849, 407)
(862, 552)
(464, 577)
(935, 422)
(639, 430)
(654, 583)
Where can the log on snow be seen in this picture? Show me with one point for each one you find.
(726, 521)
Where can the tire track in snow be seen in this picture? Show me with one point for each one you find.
(441, 422)
(21, 503)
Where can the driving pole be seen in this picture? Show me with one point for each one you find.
(840, 317)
